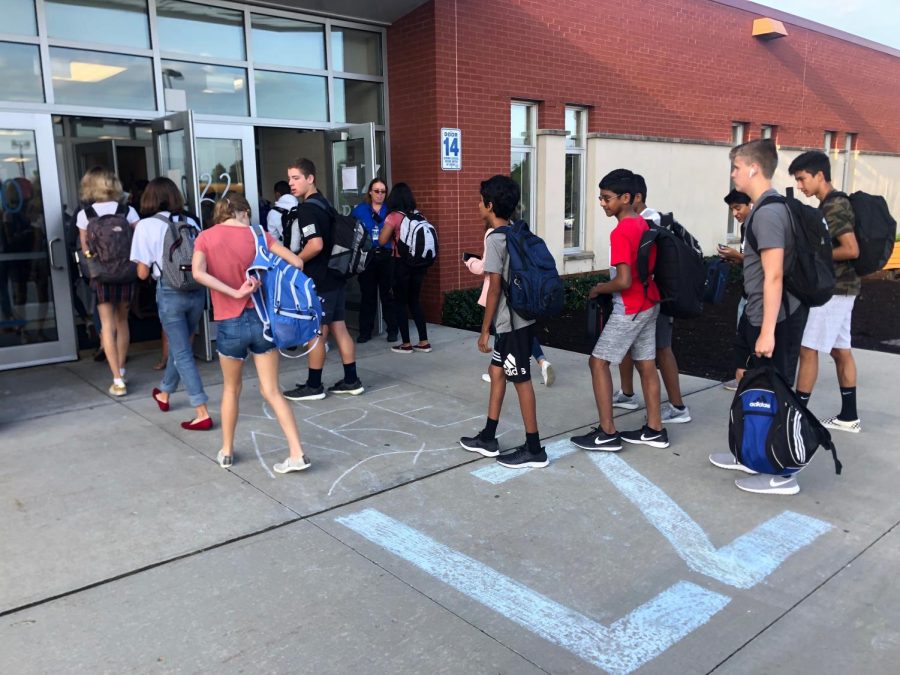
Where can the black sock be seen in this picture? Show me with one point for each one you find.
(804, 396)
(625, 393)
(314, 379)
(678, 407)
(350, 373)
(848, 404)
(533, 442)
(489, 431)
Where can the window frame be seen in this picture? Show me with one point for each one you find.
(738, 135)
(579, 151)
(529, 147)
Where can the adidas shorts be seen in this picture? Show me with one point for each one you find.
(828, 326)
(628, 332)
(512, 352)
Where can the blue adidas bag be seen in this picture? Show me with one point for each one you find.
(534, 289)
(286, 301)
(717, 272)
(770, 430)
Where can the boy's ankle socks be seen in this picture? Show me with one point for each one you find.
(350, 372)
(314, 378)
(678, 407)
(489, 431)
(848, 404)
(533, 442)
(804, 396)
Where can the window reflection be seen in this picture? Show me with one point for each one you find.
(18, 17)
(290, 96)
(217, 90)
(20, 72)
(112, 22)
(356, 51)
(285, 42)
(356, 101)
(201, 30)
(220, 172)
(99, 79)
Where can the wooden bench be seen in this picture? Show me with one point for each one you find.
(893, 262)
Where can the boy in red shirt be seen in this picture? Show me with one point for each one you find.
(631, 326)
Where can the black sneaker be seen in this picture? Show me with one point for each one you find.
(303, 392)
(485, 448)
(392, 337)
(597, 439)
(522, 458)
(647, 436)
(363, 338)
(351, 388)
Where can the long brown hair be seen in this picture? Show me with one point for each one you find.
(229, 207)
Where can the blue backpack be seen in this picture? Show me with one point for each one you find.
(770, 430)
(534, 289)
(286, 301)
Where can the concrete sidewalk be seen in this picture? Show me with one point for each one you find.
(127, 549)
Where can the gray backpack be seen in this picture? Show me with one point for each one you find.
(178, 249)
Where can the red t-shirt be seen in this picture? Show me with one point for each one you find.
(229, 250)
(623, 248)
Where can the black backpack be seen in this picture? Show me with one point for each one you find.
(770, 430)
(809, 268)
(680, 273)
(287, 216)
(352, 249)
(717, 272)
(875, 228)
(109, 236)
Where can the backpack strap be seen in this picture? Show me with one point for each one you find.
(89, 211)
(121, 209)
(321, 202)
(771, 199)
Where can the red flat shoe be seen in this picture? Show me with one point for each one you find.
(201, 425)
(163, 405)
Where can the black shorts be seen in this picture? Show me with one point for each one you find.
(333, 305)
(512, 352)
(745, 343)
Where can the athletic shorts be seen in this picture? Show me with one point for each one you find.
(745, 344)
(828, 326)
(512, 352)
(333, 305)
(628, 332)
(663, 331)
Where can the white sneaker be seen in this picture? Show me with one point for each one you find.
(620, 400)
(672, 415)
(731, 385)
(289, 465)
(763, 484)
(853, 426)
(547, 373)
(725, 460)
(486, 377)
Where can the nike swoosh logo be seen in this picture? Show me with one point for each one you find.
(598, 441)
(775, 482)
(650, 438)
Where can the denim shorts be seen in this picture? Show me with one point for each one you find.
(235, 337)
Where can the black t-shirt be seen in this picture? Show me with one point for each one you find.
(315, 222)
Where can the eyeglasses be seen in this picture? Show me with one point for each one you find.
(380, 192)
(604, 198)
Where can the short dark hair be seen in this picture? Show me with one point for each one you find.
(282, 188)
(502, 193)
(812, 161)
(737, 197)
(161, 194)
(620, 181)
(306, 167)
(640, 186)
(400, 199)
(762, 151)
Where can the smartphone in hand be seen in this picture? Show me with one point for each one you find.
(466, 256)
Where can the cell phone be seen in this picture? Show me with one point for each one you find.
(723, 247)
(466, 256)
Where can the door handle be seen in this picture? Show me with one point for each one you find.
(52, 259)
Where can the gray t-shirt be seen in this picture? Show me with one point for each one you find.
(495, 260)
(771, 225)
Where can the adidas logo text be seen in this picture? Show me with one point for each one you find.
(760, 404)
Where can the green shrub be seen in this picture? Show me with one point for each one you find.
(461, 308)
(578, 286)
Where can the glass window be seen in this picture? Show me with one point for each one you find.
(356, 101)
(99, 79)
(576, 128)
(288, 43)
(828, 140)
(27, 312)
(216, 90)
(20, 72)
(201, 30)
(520, 170)
(573, 218)
(111, 22)
(520, 124)
(18, 17)
(290, 96)
(380, 155)
(356, 51)
(220, 172)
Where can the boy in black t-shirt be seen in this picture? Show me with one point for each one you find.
(314, 228)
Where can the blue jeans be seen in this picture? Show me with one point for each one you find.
(180, 313)
(237, 336)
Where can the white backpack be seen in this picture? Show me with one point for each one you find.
(418, 242)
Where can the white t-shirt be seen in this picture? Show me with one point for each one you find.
(103, 209)
(147, 243)
(273, 220)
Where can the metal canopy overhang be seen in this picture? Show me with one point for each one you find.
(376, 11)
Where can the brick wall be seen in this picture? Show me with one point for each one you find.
(666, 68)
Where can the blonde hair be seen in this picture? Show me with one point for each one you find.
(229, 207)
(100, 185)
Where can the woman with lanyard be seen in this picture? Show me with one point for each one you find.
(222, 255)
(378, 279)
(179, 311)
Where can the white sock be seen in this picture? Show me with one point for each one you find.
(118, 381)
(121, 372)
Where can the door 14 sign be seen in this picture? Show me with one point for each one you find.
(451, 149)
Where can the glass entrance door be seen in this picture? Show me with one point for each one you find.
(351, 155)
(36, 324)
